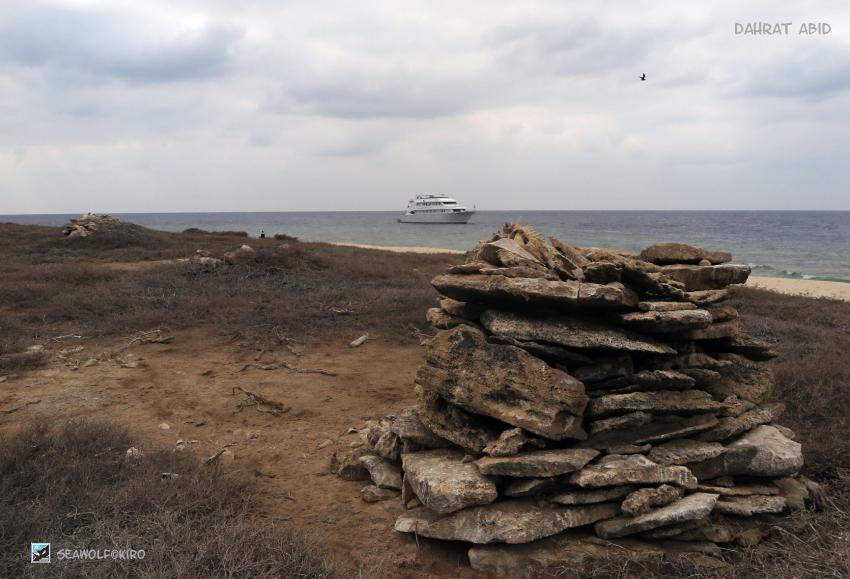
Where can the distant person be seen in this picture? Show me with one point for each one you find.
(262, 234)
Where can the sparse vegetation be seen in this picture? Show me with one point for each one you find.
(75, 488)
(296, 290)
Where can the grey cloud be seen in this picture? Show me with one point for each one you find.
(802, 73)
(113, 44)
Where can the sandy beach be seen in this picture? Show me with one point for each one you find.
(799, 287)
(803, 287)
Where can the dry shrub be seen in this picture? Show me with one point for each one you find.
(74, 487)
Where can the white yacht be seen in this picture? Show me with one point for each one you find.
(435, 209)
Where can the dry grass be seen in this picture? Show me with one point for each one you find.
(75, 488)
(291, 290)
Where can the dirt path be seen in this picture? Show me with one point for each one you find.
(188, 384)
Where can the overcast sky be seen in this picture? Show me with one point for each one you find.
(265, 105)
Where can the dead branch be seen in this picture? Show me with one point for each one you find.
(290, 367)
(16, 408)
(258, 400)
(214, 458)
(359, 341)
(151, 337)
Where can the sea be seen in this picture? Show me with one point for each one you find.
(789, 244)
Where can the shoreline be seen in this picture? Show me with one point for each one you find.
(812, 288)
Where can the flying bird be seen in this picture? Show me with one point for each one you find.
(643, 76)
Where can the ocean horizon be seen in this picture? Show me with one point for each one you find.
(787, 244)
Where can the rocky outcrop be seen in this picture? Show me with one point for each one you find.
(444, 483)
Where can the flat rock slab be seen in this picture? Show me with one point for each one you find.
(666, 306)
(653, 433)
(507, 252)
(662, 401)
(503, 382)
(383, 473)
(548, 352)
(667, 322)
(683, 451)
(570, 332)
(734, 425)
(643, 501)
(776, 454)
(503, 290)
(740, 490)
(618, 470)
(750, 505)
(540, 463)
(586, 497)
(444, 483)
(734, 461)
(622, 422)
(669, 253)
(716, 331)
(697, 277)
(507, 521)
(690, 508)
(442, 320)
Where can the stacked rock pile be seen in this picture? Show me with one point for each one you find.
(88, 224)
(577, 401)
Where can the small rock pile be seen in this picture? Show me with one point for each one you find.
(88, 224)
(580, 402)
(207, 259)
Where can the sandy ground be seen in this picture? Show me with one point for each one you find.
(803, 287)
(189, 383)
(800, 287)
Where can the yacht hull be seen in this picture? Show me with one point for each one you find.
(459, 217)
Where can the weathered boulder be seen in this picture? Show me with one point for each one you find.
(697, 277)
(776, 455)
(383, 473)
(683, 451)
(705, 298)
(571, 332)
(469, 431)
(668, 253)
(662, 401)
(692, 507)
(511, 442)
(382, 440)
(589, 496)
(667, 322)
(642, 501)
(444, 483)
(616, 470)
(508, 521)
(345, 463)
(715, 331)
(539, 463)
(747, 506)
(503, 382)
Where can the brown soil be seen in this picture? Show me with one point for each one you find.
(188, 384)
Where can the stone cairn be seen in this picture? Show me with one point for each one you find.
(581, 402)
(88, 224)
